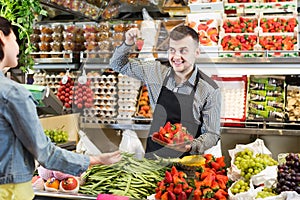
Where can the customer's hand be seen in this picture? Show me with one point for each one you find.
(131, 35)
(106, 158)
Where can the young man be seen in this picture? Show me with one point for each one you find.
(22, 138)
(180, 93)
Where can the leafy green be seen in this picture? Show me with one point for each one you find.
(23, 13)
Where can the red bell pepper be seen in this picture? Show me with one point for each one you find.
(171, 187)
(182, 196)
(171, 196)
(197, 194)
(221, 194)
(215, 186)
(178, 189)
(164, 196)
(174, 171)
(158, 194)
(220, 160)
(168, 177)
(208, 193)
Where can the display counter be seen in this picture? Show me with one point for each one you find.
(43, 195)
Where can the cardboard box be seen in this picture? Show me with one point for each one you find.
(70, 123)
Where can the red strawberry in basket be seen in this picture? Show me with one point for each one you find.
(139, 43)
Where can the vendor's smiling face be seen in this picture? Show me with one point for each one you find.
(183, 53)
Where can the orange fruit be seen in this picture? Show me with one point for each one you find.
(52, 183)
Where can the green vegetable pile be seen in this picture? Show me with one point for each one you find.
(129, 177)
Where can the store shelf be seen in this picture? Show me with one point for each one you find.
(266, 128)
(56, 66)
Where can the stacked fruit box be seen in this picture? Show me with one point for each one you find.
(241, 6)
(205, 6)
(275, 6)
(278, 34)
(207, 25)
(239, 34)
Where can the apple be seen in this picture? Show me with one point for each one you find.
(139, 43)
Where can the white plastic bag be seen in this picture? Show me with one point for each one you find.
(86, 146)
(131, 143)
(257, 146)
(216, 150)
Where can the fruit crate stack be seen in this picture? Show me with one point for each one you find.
(278, 35)
(277, 6)
(207, 25)
(234, 95)
(128, 91)
(239, 34)
(234, 7)
(104, 109)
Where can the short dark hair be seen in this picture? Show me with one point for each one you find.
(6, 27)
(181, 31)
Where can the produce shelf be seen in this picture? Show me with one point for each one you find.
(234, 130)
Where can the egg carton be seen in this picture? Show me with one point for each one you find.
(234, 98)
(105, 102)
(109, 97)
(125, 80)
(128, 86)
(97, 120)
(127, 106)
(128, 95)
(105, 90)
(104, 79)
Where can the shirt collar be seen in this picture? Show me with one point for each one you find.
(191, 80)
(1, 73)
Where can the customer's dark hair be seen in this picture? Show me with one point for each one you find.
(181, 31)
(6, 27)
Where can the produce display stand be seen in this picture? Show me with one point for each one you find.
(43, 195)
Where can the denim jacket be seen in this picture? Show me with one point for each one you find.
(22, 138)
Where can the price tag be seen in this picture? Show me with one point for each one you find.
(64, 79)
(82, 80)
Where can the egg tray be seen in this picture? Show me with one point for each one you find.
(239, 83)
(97, 120)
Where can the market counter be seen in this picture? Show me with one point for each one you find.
(43, 195)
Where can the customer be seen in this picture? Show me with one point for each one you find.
(22, 139)
(180, 93)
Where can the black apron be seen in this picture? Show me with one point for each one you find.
(176, 108)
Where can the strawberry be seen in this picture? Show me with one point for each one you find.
(139, 43)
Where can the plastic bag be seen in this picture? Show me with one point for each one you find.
(131, 143)
(215, 150)
(257, 146)
(148, 34)
(86, 146)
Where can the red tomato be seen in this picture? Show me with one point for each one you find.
(69, 183)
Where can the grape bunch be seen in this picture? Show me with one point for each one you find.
(57, 135)
(266, 192)
(288, 174)
(239, 187)
(250, 164)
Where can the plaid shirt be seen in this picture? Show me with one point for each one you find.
(207, 101)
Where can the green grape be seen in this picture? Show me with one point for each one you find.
(240, 186)
(57, 135)
(265, 192)
(250, 164)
